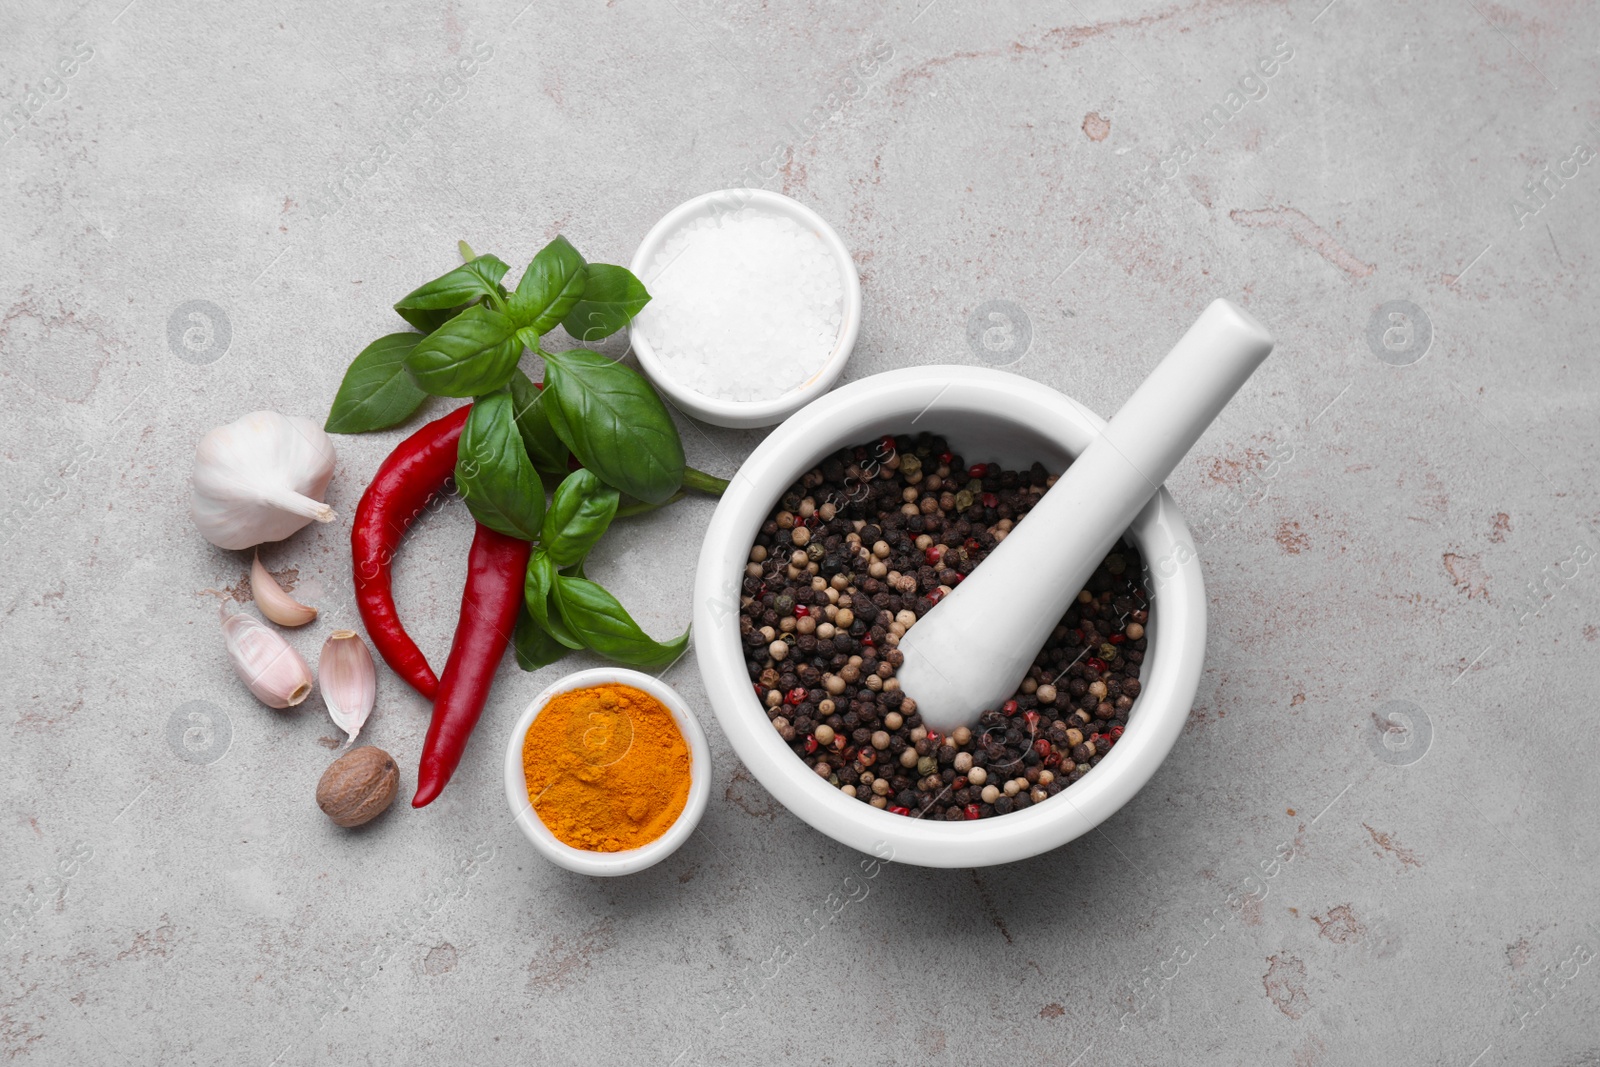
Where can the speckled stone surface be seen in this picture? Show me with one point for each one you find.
(1375, 842)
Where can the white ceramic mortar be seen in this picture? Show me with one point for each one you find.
(987, 416)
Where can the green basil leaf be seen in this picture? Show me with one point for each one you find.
(500, 486)
(539, 591)
(535, 646)
(612, 296)
(472, 354)
(537, 586)
(377, 393)
(549, 287)
(603, 625)
(428, 321)
(580, 510)
(538, 436)
(480, 277)
(614, 423)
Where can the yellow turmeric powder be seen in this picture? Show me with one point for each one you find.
(607, 768)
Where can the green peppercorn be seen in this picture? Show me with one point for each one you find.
(963, 500)
(1108, 652)
(1116, 564)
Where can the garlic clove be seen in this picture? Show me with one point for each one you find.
(263, 660)
(261, 478)
(275, 604)
(348, 679)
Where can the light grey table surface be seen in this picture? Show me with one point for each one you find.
(1400, 507)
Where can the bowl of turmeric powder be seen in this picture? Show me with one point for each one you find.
(607, 772)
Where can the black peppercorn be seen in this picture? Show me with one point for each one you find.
(1002, 747)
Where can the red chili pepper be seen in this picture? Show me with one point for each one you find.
(795, 696)
(1095, 664)
(811, 744)
(1117, 639)
(974, 812)
(978, 470)
(414, 472)
(897, 810)
(801, 611)
(496, 567)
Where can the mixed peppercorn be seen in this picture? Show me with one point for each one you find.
(858, 550)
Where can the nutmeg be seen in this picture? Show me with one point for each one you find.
(358, 786)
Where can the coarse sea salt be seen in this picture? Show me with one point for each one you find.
(744, 306)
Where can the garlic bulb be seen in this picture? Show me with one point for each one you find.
(275, 604)
(263, 660)
(261, 479)
(348, 680)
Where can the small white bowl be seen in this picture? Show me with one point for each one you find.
(744, 414)
(985, 415)
(607, 864)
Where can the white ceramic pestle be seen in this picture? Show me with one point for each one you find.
(974, 648)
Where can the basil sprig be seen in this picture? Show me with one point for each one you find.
(612, 296)
(442, 299)
(377, 393)
(546, 450)
(614, 423)
(549, 288)
(494, 474)
(478, 277)
(579, 513)
(472, 354)
(535, 646)
(539, 591)
(600, 622)
(594, 424)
